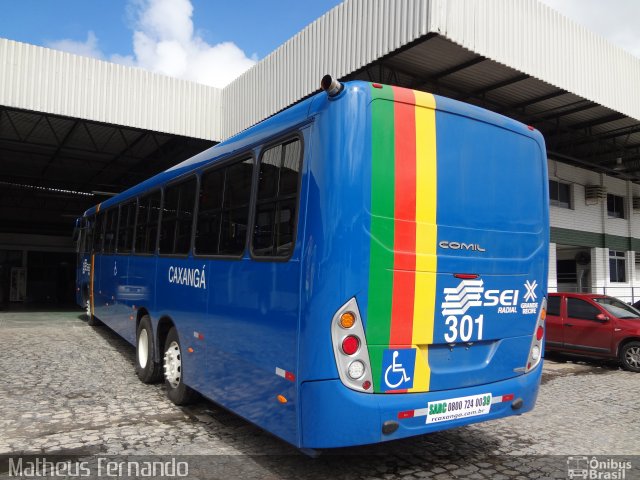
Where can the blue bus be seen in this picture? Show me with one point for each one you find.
(366, 265)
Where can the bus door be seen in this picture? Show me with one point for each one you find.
(109, 268)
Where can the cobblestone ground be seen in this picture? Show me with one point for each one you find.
(69, 389)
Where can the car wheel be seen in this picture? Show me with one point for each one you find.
(177, 391)
(147, 369)
(630, 356)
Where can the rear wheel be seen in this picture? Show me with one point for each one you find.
(177, 391)
(147, 369)
(630, 356)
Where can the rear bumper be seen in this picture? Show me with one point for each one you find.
(335, 416)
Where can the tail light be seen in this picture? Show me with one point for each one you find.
(535, 351)
(350, 348)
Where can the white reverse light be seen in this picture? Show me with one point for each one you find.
(356, 369)
(535, 352)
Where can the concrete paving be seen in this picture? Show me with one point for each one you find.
(70, 389)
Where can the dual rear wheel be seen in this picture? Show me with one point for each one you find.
(171, 369)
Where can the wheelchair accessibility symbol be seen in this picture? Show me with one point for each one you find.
(397, 367)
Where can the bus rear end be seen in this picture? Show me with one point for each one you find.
(448, 327)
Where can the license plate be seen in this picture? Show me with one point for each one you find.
(461, 407)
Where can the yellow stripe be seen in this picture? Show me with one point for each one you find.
(426, 237)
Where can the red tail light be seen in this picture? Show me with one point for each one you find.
(540, 333)
(350, 345)
(350, 348)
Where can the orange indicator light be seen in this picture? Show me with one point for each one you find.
(282, 398)
(347, 320)
(190, 350)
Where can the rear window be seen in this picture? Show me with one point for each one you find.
(494, 178)
(553, 306)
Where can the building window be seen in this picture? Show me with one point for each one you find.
(560, 194)
(615, 206)
(567, 271)
(617, 267)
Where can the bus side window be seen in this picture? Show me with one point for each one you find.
(98, 233)
(209, 212)
(110, 230)
(88, 238)
(147, 223)
(223, 213)
(274, 225)
(125, 227)
(177, 218)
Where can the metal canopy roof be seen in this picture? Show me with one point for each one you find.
(100, 121)
(53, 168)
(577, 131)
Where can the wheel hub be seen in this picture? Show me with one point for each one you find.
(633, 356)
(143, 348)
(173, 364)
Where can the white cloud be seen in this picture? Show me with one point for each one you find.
(164, 41)
(616, 20)
(88, 48)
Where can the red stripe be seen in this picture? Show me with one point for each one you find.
(407, 414)
(405, 215)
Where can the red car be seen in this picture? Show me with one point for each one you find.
(594, 325)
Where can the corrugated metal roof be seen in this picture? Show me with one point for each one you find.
(503, 40)
(535, 39)
(45, 80)
(519, 36)
(353, 34)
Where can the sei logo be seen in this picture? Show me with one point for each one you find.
(507, 299)
(471, 293)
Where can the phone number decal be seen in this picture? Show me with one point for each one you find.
(461, 407)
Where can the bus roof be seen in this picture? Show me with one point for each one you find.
(289, 119)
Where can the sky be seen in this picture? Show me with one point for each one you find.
(616, 20)
(214, 41)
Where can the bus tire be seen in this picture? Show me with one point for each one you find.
(147, 369)
(172, 364)
(630, 356)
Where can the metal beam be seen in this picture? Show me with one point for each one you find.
(457, 68)
(598, 121)
(552, 120)
(534, 100)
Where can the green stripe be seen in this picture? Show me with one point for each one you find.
(382, 225)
